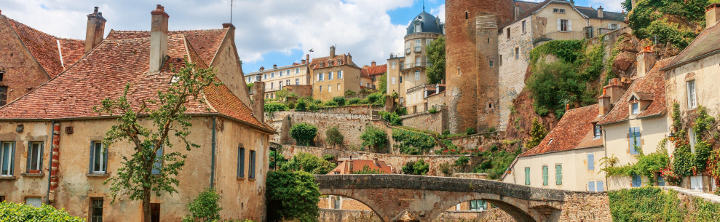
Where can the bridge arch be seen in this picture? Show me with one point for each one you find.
(356, 198)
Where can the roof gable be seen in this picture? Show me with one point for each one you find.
(570, 133)
(706, 44)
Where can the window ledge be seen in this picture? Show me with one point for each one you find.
(41, 174)
(241, 178)
(7, 178)
(251, 179)
(98, 174)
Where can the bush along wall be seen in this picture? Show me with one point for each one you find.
(654, 204)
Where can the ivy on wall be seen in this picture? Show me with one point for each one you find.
(653, 204)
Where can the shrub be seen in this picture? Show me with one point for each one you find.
(275, 106)
(375, 98)
(376, 139)
(354, 101)
(433, 110)
(313, 107)
(436, 61)
(537, 134)
(645, 204)
(555, 84)
(301, 105)
(416, 167)
(339, 100)
(391, 118)
(412, 143)
(292, 195)
(204, 207)
(470, 131)
(350, 93)
(401, 111)
(276, 159)
(10, 211)
(331, 103)
(462, 161)
(367, 170)
(303, 133)
(308, 163)
(334, 137)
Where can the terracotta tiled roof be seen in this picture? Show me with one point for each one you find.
(104, 71)
(574, 131)
(205, 42)
(44, 48)
(374, 70)
(358, 165)
(324, 62)
(651, 87)
(706, 44)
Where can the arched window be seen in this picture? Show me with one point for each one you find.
(467, 15)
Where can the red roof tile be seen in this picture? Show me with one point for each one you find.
(651, 87)
(44, 48)
(358, 165)
(205, 42)
(574, 131)
(323, 62)
(373, 70)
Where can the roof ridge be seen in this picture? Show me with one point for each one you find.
(187, 30)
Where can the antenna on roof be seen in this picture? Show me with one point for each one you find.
(231, 11)
(423, 5)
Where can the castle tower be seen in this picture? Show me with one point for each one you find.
(472, 85)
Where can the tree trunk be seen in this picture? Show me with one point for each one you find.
(146, 205)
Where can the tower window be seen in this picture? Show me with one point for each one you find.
(467, 15)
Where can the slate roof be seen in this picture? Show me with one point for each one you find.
(706, 44)
(528, 8)
(574, 131)
(104, 72)
(44, 48)
(374, 70)
(593, 14)
(430, 24)
(650, 87)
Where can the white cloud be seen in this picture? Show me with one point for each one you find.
(361, 27)
(609, 5)
(439, 12)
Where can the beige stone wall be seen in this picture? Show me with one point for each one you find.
(229, 69)
(512, 70)
(552, 30)
(76, 186)
(393, 73)
(586, 207)
(705, 73)
(617, 144)
(299, 75)
(435, 122)
(335, 87)
(351, 126)
(575, 171)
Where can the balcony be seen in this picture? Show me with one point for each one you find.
(411, 66)
(418, 49)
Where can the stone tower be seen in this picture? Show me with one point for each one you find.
(471, 47)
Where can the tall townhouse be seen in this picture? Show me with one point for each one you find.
(333, 75)
(373, 72)
(278, 78)
(50, 139)
(691, 80)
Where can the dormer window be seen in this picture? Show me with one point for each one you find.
(635, 108)
(418, 27)
(597, 131)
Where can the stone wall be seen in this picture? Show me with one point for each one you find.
(331, 215)
(394, 160)
(435, 122)
(350, 121)
(586, 207)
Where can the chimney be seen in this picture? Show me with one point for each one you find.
(645, 61)
(712, 15)
(158, 38)
(94, 30)
(332, 51)
(373, 63)
(259, 101)
(307, 58)
(303, 62)
(600, 12)
(274, 66)
(567, 107)
(262, 68)
(231, 30)
(604, 103)
(614, 90)
(517, 11)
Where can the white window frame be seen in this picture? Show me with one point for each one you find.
(7, 157)
(635, 108)
(32, 146)
(417, 75)
(691, 91)
(102, 168)
(330, 75)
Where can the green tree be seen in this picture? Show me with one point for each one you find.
(301, 105)
(375, 138)
(166, 112)
(350, 93)
(308, 163)
(339, 100)
(303, 133)
(12, 212)
(334, 137)
(205, 207)
(418, 167)
(292, 195)
(382, 83)
(537, 134)
(436, 61)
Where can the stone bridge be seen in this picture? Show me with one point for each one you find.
(396, 197)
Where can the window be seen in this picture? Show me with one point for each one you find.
(523, 27)
(491, 63)
(418, 27)
(559, 10)
(265, 76)
(241, 162)
(322, 75)
(7, 158)
(500, 60)
(3, 95)
(517, 53)
(96, 209)
(527, 175)
(330, 88)
(257, 78)
(417, 75)
(330, 75)
(400, 79)
(2, 74)
(636, 180)
(613, 26)
(660, 179)
(692, 99)
(157, 166)
(98, 158)
(34, 158)
(339, 88)
(597, 131)
(280, 73)
(564, 25)
(418, 45)
(418, 61)
(635, 107)
(272, 85)
(251, 174)
(591, 186)
(287, 82)
(33, 201)
(545, 175)
(508, 33)
(393, 80)
(340, 74)
(591, 161)
(599, 186)
(272, 75)
(635, 139)
(287, 72)
(297, 81)
(692, 139)
(467, 15)
(558, 174)
(477, 205)
(279, 84)
(2, 199)
(297, 70)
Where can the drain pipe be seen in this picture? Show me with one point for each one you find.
(52, 146)
(212, 161)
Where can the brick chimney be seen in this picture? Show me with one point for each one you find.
(332, 51)
(373, 64)
(158, 38)
(645, 61)
(517, 11)
(307, 58)
(94, 30)
(604, 103)
(262, 68)
(614, 90)
(259, 101)
(274, 66)
(712, 15)
(601, 12)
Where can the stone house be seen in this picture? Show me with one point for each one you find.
(50, 137)
(333, 75)
(30, 57)
(690, 81)
(374, 72)
(534, 24)
(567, 158)
(277, 78)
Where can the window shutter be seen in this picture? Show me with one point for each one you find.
(591, 161)
(241, 162)
(92, 158)
(29, 157)
(558, 174)
(545, 175)
(591, 186)
(42, 146)
(600, 186)
(12, 160)
(559, 24)
(569, 28)
(105, 157)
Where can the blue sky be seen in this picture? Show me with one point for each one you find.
(267, 31)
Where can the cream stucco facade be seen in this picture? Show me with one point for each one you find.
(705, 74)
(278, 77)
(579, 170)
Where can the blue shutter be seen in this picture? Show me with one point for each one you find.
(661, 180)
(92, 157)
(527, 175)
(591, 161)
(600, 186)
(29, 157)
(545, 175)
(105, 150)
(591, 186)
(252, 164)
(241, 162)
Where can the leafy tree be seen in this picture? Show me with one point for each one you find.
(339, 100)
(462, 161)
(308, 163)
(382, 83)
(250, 85)
(418, 167)
(10, 211)
(391, 118)
(276, 159)
(283, 94)
(303, 133)
(555, 84)
(135, 176)
(537, 134)
(354, 101)
(413, 143)
(436, 61)
(350, 93)
(272, 107)
(205, 207)
(375, 138)
(301, 105)
(376, 98)
(292, 195)
(334, 137)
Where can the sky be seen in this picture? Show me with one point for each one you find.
(267, 31)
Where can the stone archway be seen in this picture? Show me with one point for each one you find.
(344, 195)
